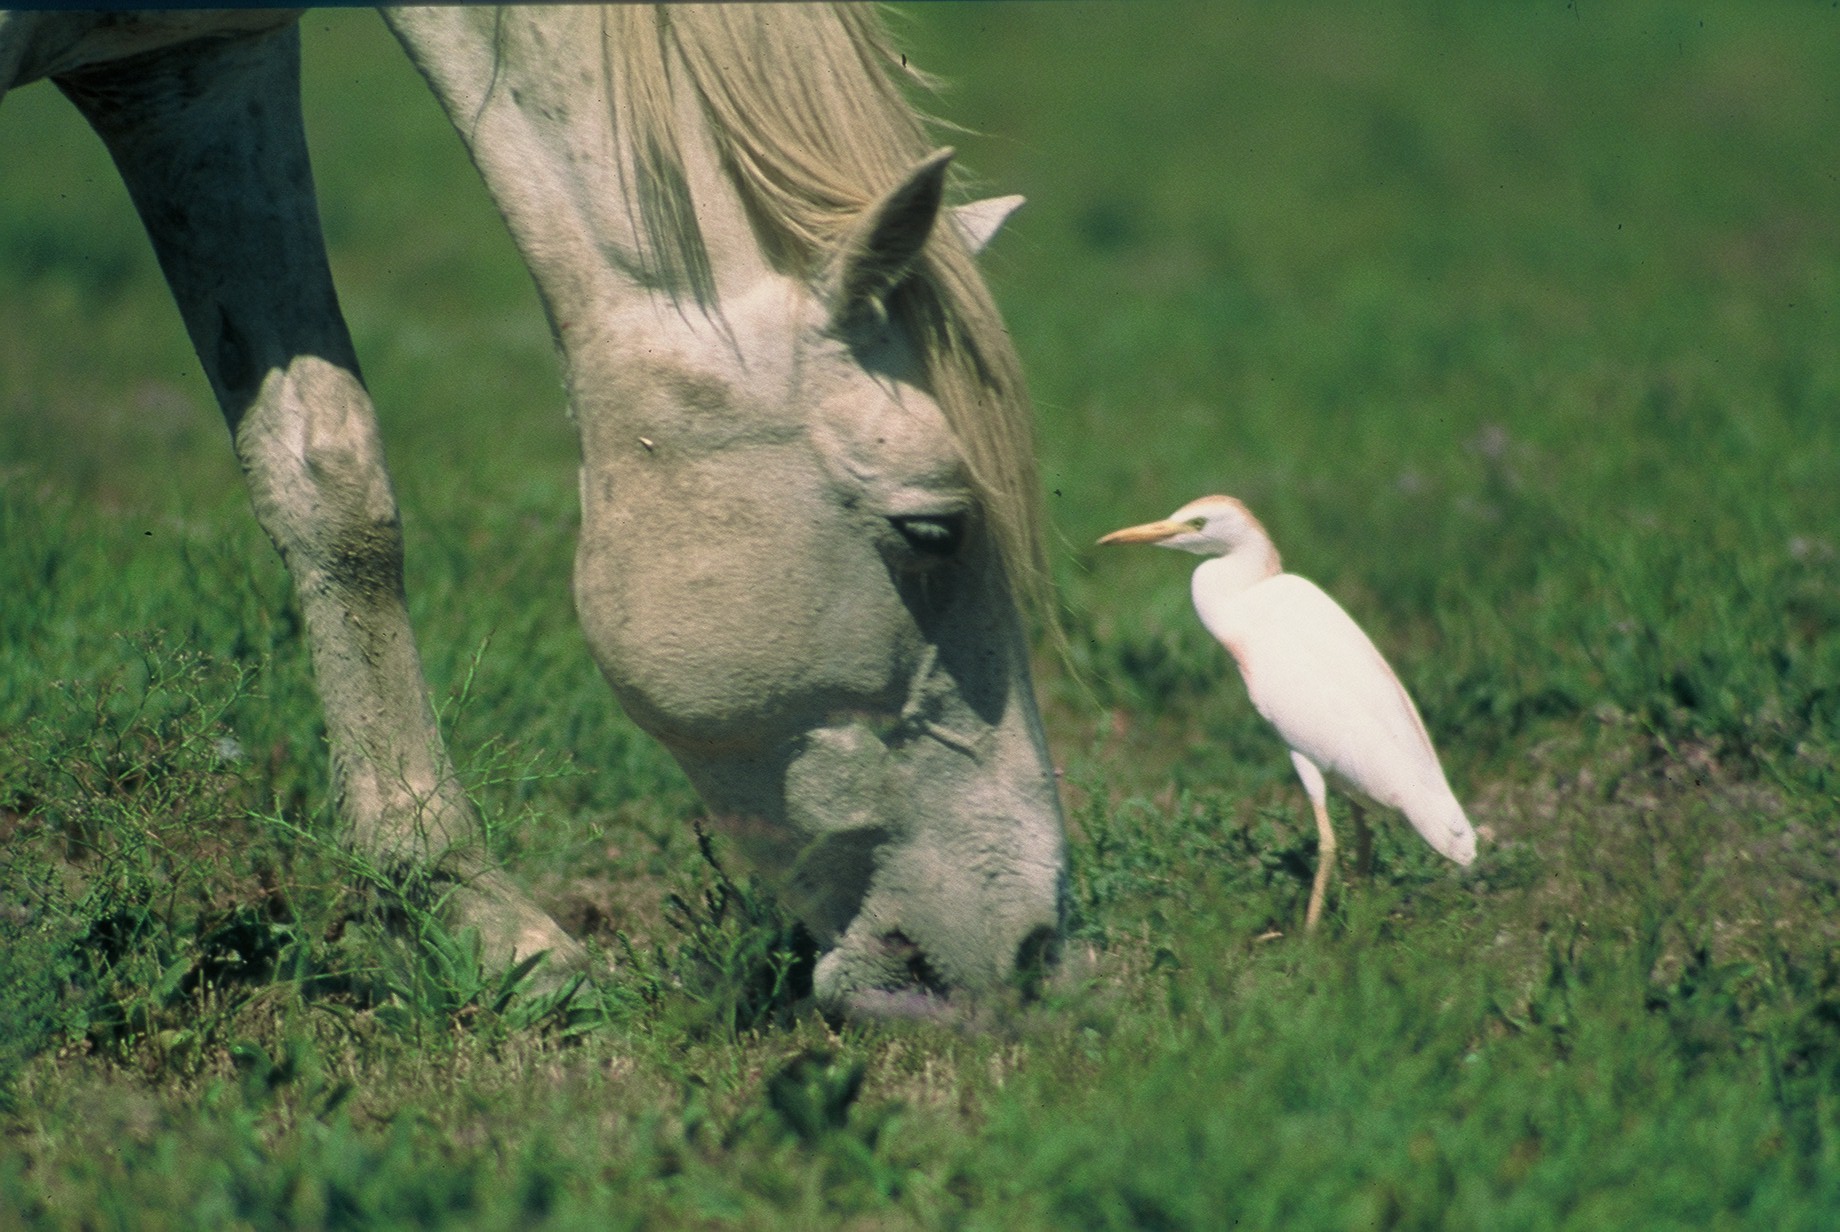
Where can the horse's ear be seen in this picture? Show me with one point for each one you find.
(978, 221)
(881, 246)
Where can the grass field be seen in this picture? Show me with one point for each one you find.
(1516, 324)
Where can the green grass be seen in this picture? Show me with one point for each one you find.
(1516, 325)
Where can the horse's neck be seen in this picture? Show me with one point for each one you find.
(528, 91)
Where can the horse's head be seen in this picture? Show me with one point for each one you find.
(792, 579)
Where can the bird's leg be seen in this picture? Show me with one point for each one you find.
(1325, 864)
(1318, 791)
(1363, 840)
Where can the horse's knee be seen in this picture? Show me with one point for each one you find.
(310, 446)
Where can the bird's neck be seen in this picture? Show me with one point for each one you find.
(1238, 570)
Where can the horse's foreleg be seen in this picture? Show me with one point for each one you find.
(208, 137)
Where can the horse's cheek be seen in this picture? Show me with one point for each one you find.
(745, 637)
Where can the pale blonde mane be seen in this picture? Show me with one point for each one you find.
(809, 151)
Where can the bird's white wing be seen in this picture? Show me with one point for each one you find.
(1317, 678)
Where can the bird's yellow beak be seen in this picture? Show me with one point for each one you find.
(1149, 532)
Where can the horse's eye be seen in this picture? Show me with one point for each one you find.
(933, 534)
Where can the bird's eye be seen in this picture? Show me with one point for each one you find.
(935, 535)
(1197, 523)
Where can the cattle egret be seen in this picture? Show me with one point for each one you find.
(1314, 676)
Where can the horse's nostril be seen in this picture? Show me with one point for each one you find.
(1039, 954)
(903, 950)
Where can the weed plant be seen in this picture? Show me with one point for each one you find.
(1515, 325)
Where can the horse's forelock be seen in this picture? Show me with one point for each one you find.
(809, 152)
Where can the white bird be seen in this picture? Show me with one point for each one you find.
(1315, 676)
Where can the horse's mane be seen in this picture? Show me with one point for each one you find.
(809, 150)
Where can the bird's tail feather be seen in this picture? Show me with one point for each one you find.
(1446, 827)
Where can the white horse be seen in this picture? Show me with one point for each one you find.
(808, 494)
